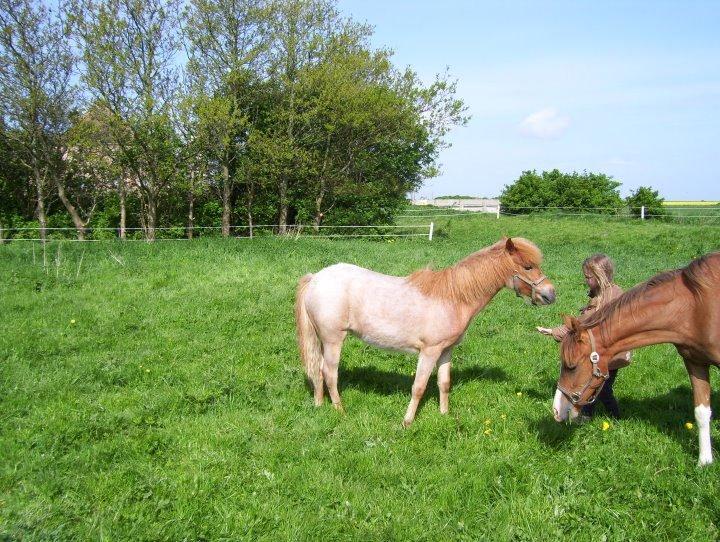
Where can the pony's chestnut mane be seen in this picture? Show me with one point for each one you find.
(696, 278)
(476, 276)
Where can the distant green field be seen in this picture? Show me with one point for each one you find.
(154, 392)
(679, 203)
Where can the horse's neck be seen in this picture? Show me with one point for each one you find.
(490, 288)
(642, 322)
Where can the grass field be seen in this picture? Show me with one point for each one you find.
(154, 392)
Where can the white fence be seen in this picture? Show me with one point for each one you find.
(407, 228)
(251, 232)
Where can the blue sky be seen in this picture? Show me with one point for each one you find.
(631, 89)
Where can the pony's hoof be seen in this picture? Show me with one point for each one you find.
(704, 461)
(339, 408)
(407, 423)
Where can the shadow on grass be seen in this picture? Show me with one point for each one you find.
(390, 383)
(667, 412)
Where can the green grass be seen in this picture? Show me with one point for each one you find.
(175, 408)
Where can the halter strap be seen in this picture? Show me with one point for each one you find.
(576, 397)
(532, 283)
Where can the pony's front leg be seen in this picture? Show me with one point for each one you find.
(700, 380)
(426, 364)
(443, 378)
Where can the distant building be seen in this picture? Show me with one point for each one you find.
(478, 205)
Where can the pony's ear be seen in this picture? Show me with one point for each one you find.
(573, 324)
(510, 246)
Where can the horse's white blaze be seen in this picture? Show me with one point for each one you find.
(702, 417)
(561, 406)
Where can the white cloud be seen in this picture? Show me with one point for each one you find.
(545, 124)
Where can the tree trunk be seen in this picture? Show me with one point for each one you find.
(283, 188)
(226, 200)
(191, 216)
(151, 219)
(318, 207)
(79, 224)
(250, 196)
(40, 202)
(123, 212)
(283, 211)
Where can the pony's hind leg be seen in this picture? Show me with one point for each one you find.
(319, 390)
(426, 364)
(443, 378)
(331, 362)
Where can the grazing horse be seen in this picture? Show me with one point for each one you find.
(680, 307)
(426, 313)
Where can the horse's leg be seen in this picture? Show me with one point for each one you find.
(426, 364)
(443, 378)
(331, 362)
(319, 389)
(700, 380)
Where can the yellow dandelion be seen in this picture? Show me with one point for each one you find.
(503, 416)
(689, 426)
(488, 422)
(147, 370)
(72, 321)
(487, 431)
(519, 394)
(605, 426)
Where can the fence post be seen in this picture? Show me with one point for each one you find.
(642, 213)
(432, 227)
(498, 210)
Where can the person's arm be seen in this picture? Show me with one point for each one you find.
(557, 333)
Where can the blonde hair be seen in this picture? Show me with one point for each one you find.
(602, 268)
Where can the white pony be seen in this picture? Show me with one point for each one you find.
(427, 312)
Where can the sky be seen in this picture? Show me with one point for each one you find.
(630, 89)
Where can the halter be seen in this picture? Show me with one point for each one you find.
(576, 396)
(532, 283)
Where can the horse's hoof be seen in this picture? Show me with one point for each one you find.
(407, 423)
(705, 461)
(339, 408)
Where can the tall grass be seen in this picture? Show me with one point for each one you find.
(154, 392)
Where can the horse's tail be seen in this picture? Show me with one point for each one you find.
(308, 341)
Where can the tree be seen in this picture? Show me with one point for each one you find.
(645, 196)
(129, 50)
(227, 39)
(594, 192)
(299, 30)
(36, 91)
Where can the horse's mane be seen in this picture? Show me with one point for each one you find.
(696, 277)
(475, 276)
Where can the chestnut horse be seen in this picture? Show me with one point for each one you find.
(426, 313)
(680, 307)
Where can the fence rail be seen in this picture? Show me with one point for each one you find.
(264, 230)
(675, 213)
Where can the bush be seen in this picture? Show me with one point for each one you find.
(585, 191)
(646, 197)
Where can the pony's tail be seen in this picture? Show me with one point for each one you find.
(308, 341)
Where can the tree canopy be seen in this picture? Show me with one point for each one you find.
(137, 114)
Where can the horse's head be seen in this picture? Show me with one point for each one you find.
(527, 279)
(582, 372)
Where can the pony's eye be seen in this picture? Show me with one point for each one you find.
(528, 267)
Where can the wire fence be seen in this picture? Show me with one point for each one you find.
(406, 228)
(237, 231)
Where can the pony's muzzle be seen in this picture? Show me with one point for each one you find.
(545, 295)
(562, 408)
